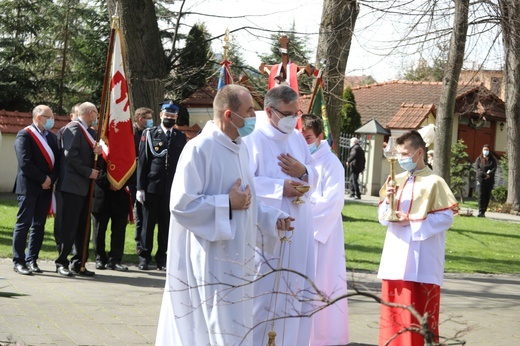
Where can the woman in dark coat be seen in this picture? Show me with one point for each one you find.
(486, 165)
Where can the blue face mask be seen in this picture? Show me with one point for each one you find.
(149, 123)
(313, 148)
(407, 163)
(249, 125)
(94, 123)
(49, 124)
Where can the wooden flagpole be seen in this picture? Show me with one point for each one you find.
(316, 86)
(102, 109)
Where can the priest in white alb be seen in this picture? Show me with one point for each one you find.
(280, 160)
(216, 222)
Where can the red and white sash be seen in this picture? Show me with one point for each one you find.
(46, 151)
(91, 141)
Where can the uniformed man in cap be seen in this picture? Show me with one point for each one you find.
(159, 151)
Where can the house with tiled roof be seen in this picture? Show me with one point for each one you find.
(200, 103)
(10, 124)
(400, 106)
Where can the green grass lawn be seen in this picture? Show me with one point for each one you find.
(474, 245)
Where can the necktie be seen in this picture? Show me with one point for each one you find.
(168, 136)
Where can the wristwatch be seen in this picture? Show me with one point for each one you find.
(304, 175)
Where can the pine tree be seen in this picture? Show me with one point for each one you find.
(195, 65)
(461, 168)
(350, 117)
(299, 53)
(52, 52)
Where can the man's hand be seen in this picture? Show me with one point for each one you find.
(94, 174)
(240, 200)
(390, 190)
(47, 183)
(97, 149)
(113, 188)
(285, 224)
(404, 220)
(289, 190)
(139, 196)
(291, 166)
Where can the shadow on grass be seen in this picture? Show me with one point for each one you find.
(494, 265)
(472, 234)
(350, 218)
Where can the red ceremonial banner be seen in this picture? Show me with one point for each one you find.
(117, 132)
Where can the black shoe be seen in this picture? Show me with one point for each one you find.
(481, 215)
(161, 268)
(33, 266)
(63, 271)
(100, 265)
(84, 272)
(143, 266)
(117, 266)
(357, 197)
(22, 269)
(352, 196)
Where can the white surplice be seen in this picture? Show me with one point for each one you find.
(265, 144)
(414, 251)
(208, 297)
(330, 326)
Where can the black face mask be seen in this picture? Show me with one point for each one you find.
(168, 122)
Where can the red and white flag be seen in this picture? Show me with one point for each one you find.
(117, 136)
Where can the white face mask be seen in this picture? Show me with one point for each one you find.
(286, 124)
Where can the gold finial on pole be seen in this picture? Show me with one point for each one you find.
(115, 21)
(226, 45)
(272, 336)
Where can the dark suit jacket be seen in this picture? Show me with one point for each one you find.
(152, 174)
(356, 159)
(32, 166)
(107, 200)
(77, 160)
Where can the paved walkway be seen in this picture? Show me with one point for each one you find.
(115, 308)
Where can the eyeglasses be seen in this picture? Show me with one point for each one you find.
(46, 117)
(297, 115)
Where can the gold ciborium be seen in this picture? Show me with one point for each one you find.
(390, 153)
(302, 189)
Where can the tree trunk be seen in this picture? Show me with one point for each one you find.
(445, 114)
(510, 21)
(146, 62)
(337, 26)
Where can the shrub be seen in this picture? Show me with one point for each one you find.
(499, 194)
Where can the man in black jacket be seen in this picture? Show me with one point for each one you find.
(76, 171)
(356, 163)
(111, 204)
(159, 151)
(143, 119)
(37, 154)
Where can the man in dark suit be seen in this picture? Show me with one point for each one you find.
(143, 119)
(109, 204)
(159, 151)
(57, 221)
(356, 163)
(76, 171)
(38, 156)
